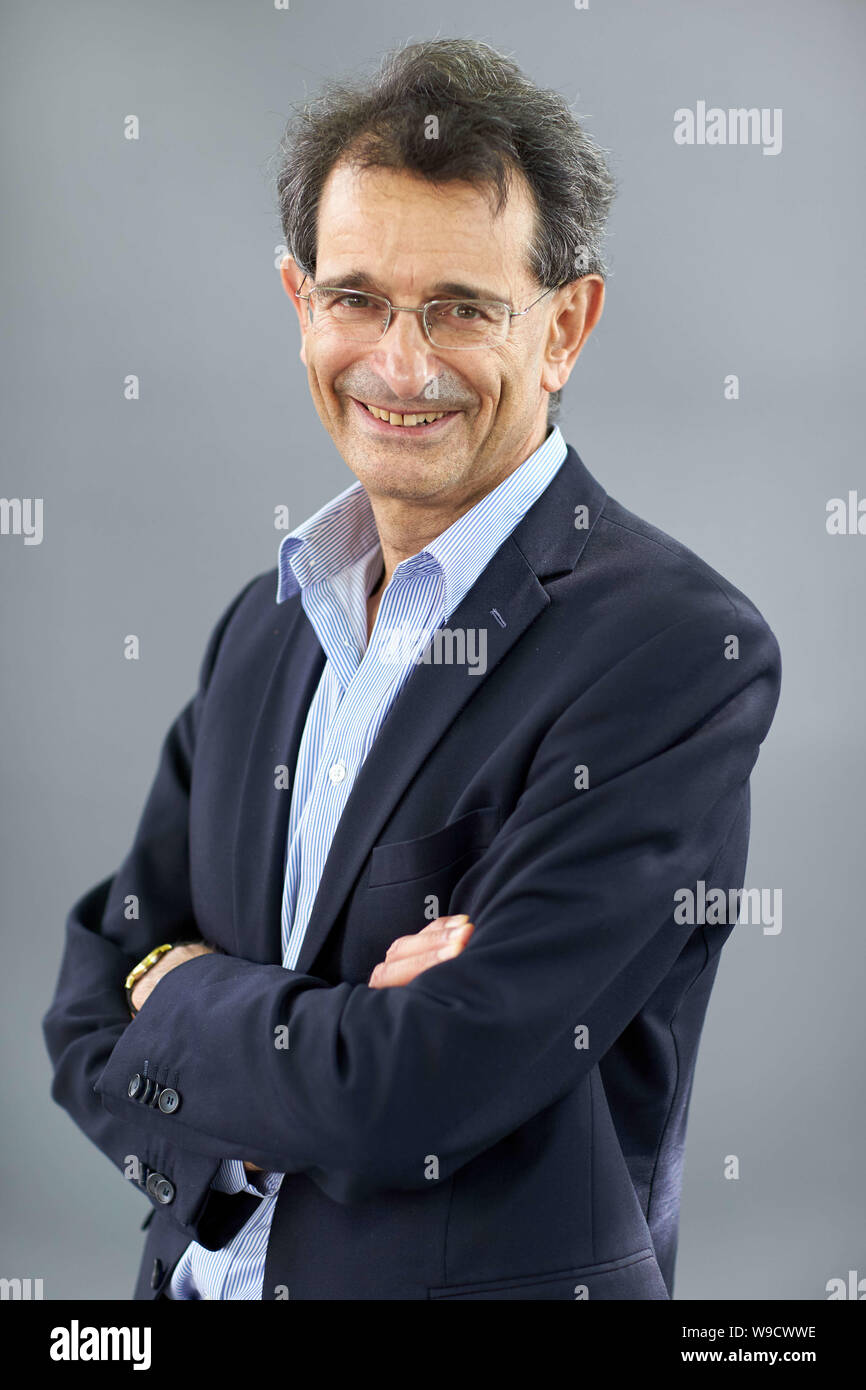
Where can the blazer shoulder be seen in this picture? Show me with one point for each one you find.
(257, 599)
(668, 573)
(252, 605)
(260, 591)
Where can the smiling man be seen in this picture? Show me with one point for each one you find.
(414, 272)
(405, 1009)
(392, 235)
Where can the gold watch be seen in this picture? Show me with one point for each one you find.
(142, 968)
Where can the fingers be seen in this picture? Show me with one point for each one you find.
(409, 956)
(421, 942)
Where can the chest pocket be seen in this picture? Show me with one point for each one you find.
(407, 883)
(448, 848)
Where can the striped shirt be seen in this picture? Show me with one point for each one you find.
(334, 560)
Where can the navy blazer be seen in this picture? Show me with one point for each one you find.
(511, 1124)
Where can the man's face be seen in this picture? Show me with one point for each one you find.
(409, 240)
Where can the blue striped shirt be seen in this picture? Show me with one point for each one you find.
(334, 560)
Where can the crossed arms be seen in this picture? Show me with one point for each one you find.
(406, 958)
(572, 905)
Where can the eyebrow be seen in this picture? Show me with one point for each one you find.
(360, 279)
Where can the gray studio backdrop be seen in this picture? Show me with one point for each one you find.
(156, 257)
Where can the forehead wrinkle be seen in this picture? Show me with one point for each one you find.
(396, 217)
(358, 279)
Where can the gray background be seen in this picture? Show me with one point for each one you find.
(157, 257)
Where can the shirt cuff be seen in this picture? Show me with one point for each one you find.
(266, 1183)
(232, 1176)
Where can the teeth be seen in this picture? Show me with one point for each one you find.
(393, 419)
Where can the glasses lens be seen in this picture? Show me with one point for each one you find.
(467, 323)
(348, 312)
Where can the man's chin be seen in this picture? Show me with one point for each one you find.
(405, 483)
(402, 474)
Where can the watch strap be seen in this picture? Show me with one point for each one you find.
(150, 959)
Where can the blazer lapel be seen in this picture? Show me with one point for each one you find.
(426, 707)
(506, 598)
(263, 815)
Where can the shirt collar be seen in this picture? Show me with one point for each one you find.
(343, 532)
(467, 546)
(339, 534)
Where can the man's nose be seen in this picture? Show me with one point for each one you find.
(405, 358)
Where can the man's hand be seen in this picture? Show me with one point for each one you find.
(176, 956)
(409, 956)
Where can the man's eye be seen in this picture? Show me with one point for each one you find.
(466, 310)
(353, 301)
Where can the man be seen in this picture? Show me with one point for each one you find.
(426, 820)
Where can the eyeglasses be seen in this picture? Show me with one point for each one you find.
(452, 324)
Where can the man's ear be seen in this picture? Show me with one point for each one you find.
(293, 278)
(575, 312)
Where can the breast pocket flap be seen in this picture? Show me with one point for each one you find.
(408, 859)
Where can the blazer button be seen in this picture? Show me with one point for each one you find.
(134, 1086)
(156, 1276)
(160, 1188)
(164, 1191)
(146, 1094)
(169, 1100)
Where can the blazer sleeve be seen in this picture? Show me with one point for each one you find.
(105, 935)
(574, 909)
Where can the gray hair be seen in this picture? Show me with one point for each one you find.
(493, 122)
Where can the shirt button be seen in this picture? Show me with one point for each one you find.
(337, 772)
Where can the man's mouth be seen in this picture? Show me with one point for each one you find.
(388, 421)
